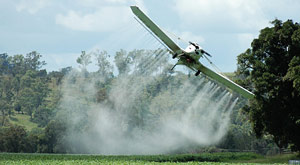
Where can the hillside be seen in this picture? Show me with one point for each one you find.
(22, 120)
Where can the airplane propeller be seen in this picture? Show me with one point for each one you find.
(198, 47)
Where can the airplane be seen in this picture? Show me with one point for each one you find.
(189, 56)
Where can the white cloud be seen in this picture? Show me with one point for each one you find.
(227, 14)
(117, 1)
(245, 39)
(58, 61)
(32, 6)
(188, 36)
(104, 16)
(183, 37)
(141, 5)
(100, 3)
(104, 19)
(230, 26)
(237, 16)
(287, 9)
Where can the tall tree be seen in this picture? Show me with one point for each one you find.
(33, 62)
(4, 63)
(34, 91)
(84, 60)
(5, 97)
(272, 68)
(18, 62)
(50, 141)
(105, 67)
(122, 61)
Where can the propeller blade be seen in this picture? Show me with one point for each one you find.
(207, 53)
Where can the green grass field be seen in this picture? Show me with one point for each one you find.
(22, 120)
(205, 158)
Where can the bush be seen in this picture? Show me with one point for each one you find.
(13, 139)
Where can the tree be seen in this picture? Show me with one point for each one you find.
(33, 93)
(122, 62)
(4, 64)
(271, 69)
(49, 142)
(32, 61)
(13, 139)
(5, 97)
(28, 101)
(105, 67)
(33, 139)
(42, 115)
(18, 62)
(84, 60)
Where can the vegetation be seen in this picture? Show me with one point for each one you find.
(32, 120)
(207, 158)
(32, 106)
(271, 68)
(22, 120)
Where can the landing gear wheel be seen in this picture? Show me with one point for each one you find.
(197, 73)
(175, 55)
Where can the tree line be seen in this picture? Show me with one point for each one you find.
(270, 69)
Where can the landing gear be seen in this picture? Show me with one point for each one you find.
(175, 55)
(173, 67)
(197, 73)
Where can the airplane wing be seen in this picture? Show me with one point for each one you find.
(224, 80)
(155, 29)
(176, 49)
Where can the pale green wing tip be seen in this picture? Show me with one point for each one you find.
(134, 8)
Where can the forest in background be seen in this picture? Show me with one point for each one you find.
(55, 112)
(26, 88)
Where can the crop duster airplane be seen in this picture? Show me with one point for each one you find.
(189, 56)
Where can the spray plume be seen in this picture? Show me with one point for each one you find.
(183, 111)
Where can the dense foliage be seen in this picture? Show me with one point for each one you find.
(271, 68)
(28, 89)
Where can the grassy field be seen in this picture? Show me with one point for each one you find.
(22, 120)
(205, 158)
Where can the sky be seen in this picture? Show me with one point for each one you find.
(60, 30)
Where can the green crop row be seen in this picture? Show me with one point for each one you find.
(204, 157)
(9, 158)
(92, 162)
